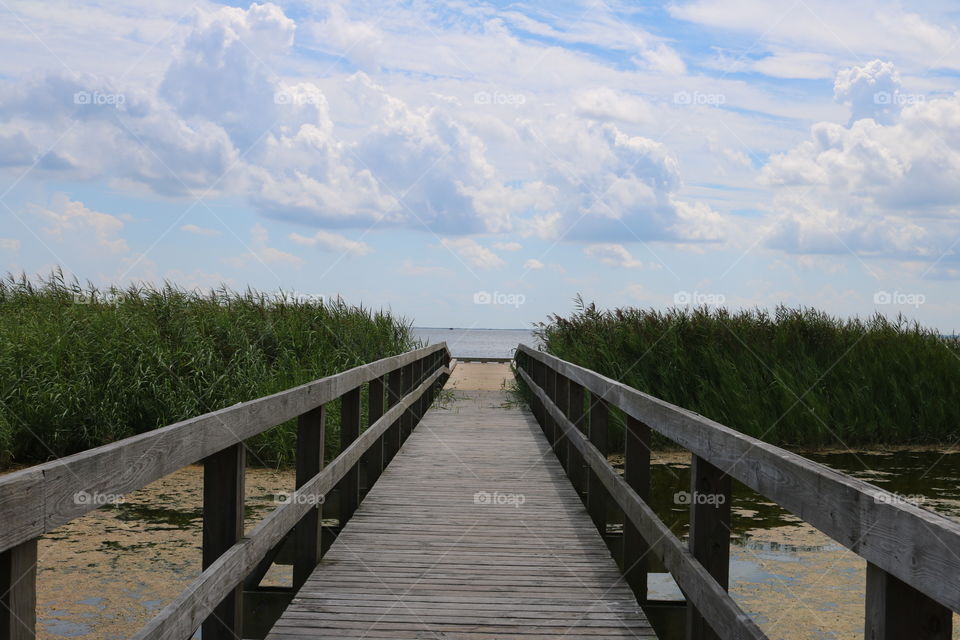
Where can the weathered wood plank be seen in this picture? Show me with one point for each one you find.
(472, 532)
(897, 611)
(709, 539)
(311, 438)
(18, 592)
(223, 492)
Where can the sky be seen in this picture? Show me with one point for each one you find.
(481, 164)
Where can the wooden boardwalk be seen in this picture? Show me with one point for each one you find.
(473, 531)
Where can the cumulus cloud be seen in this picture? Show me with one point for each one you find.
(70, 218)
(507, 246)
(871, 188)
(473, 253)
(200, 231)
(9, 244)
(326, 241)
(614, 255)
(261, 252)
(871, 91)
(533, 264)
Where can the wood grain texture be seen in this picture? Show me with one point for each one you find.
(473, 531)
(920, 547)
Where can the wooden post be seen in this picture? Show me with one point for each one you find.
(563, 402)
(406, 420)
(709, 542)
(576, 467)
(392, 438)
(18, 592)
(349, 486)
(223, 483)
(597, 495)
(307, 538)
(637, 474)
(374, 460)
(897, 611)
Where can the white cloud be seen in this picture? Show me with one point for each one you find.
(614, 255)
(872, 90)
(261, 252)
(603, 103)
(475, 254)
(201, 231)
(70, 219)
(328, 241)
(9, 244)
(507, 246)
(533, 264)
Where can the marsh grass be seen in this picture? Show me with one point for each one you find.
(795, 377)
(82, 367)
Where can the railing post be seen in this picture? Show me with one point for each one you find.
(563, 402)
(349, 486)
(576, 467)
(18, 600)
(393, 436)
(636, 472)
(307, 534)
(897, 611)
(406, 420)
(223, 484)
(597, 495)
(375, 458)
(709, 533)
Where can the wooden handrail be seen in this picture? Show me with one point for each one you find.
(180, 618)
(37, 499)
(918, 549)
(40, 498)
(700, 587)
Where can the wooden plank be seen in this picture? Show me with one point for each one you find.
(18, 592)
(920, 547)
(181, 617)
(311, 438)
(897, 611)
(700, 588)
(223, 492)
(709, 539)
(374, 461)
(127, 465)
(577, 470)
(636, 473)
(472, 532)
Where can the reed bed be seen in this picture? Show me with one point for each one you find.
(82, 367)
(793, 377)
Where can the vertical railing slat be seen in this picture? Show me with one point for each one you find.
(636, 472)
(349, 486)
(897, 611)
(18, 591)
(223, 487)
(309, 462)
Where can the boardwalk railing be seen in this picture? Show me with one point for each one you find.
(39, 499)
(913, 555)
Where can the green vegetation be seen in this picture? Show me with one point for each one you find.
(797, 377)
(80, 367)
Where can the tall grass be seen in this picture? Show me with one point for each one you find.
(795, 377)
(80, 367)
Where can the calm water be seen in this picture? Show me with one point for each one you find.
(477, 343)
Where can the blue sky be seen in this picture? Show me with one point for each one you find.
(481, 164)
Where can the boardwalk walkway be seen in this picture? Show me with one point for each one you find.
(472, 532)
